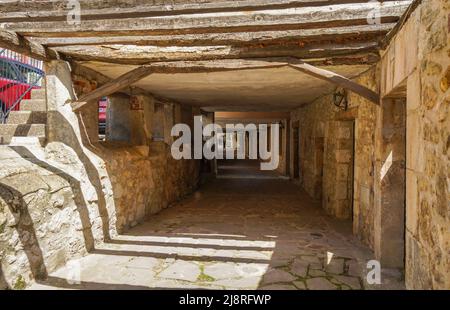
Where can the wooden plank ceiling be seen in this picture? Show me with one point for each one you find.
(116, 36)
(140, 32)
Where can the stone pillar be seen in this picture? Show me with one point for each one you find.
(70, 128)
(294, 141)
(158, 122)
(149, 111)
(287, 145)
(390, 207)
(137, 124)
(337, 171)
(177, 113)
(168, 122)
(62, 122)
(118, 118)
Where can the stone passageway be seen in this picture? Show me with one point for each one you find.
(231, 234)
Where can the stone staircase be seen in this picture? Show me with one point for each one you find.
(26, 126)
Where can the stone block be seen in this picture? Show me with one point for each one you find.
(8, 131)
(341, 191)
(181, 270)
(38, 93)
(343, 156)
(342, 172)
(417, 270)
(320, 284)
(27, 117)
(276, 276)
(345, 144)
(399, 68)
(365, 196)
(343, 133)
(343, 209)
(352, 282)
(413, 91)
(299, 268)
(33, 105)
(411, 201)
(411, 29)
(415, 157)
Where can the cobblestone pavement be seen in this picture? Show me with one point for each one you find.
(231, 234)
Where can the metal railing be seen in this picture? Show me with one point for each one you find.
(19, 75)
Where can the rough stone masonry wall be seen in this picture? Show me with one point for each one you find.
(416, 65)
(59, 201)
(326, 156)
(428, 145)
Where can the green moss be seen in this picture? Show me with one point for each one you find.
(203, 277)
(20, 283)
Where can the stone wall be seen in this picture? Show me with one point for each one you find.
(61, 200)
(326, 156)
(413, 79)
(365, 115)
(428, 146)
(283, 148)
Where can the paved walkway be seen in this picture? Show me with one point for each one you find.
(244, 169)
(232, 234)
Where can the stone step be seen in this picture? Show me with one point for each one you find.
(8, 131)
(21, 141)
(33, 105)
(38, 93)
(27, 117)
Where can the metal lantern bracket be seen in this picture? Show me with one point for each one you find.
(340, 99)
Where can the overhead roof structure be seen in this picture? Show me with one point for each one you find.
(117, 36)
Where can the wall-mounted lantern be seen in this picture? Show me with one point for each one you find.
(340, 99)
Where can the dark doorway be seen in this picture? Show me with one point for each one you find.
(296, 138)
(319, 153)
(352, 168)
(393, 183)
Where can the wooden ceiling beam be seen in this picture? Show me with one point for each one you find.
(17, 43)
(340, 34)
(139, 55)
(113, 86)
(298, 18)
(18, 11)
(338, 80)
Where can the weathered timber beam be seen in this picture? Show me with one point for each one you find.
(348, 60)
(296, 18)
(17, 43)
(336, 79)
(411, 8)
(351, 33)
(309, 69)
(101, 79)
(15, 11)
(113, 86)
(139, 55)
